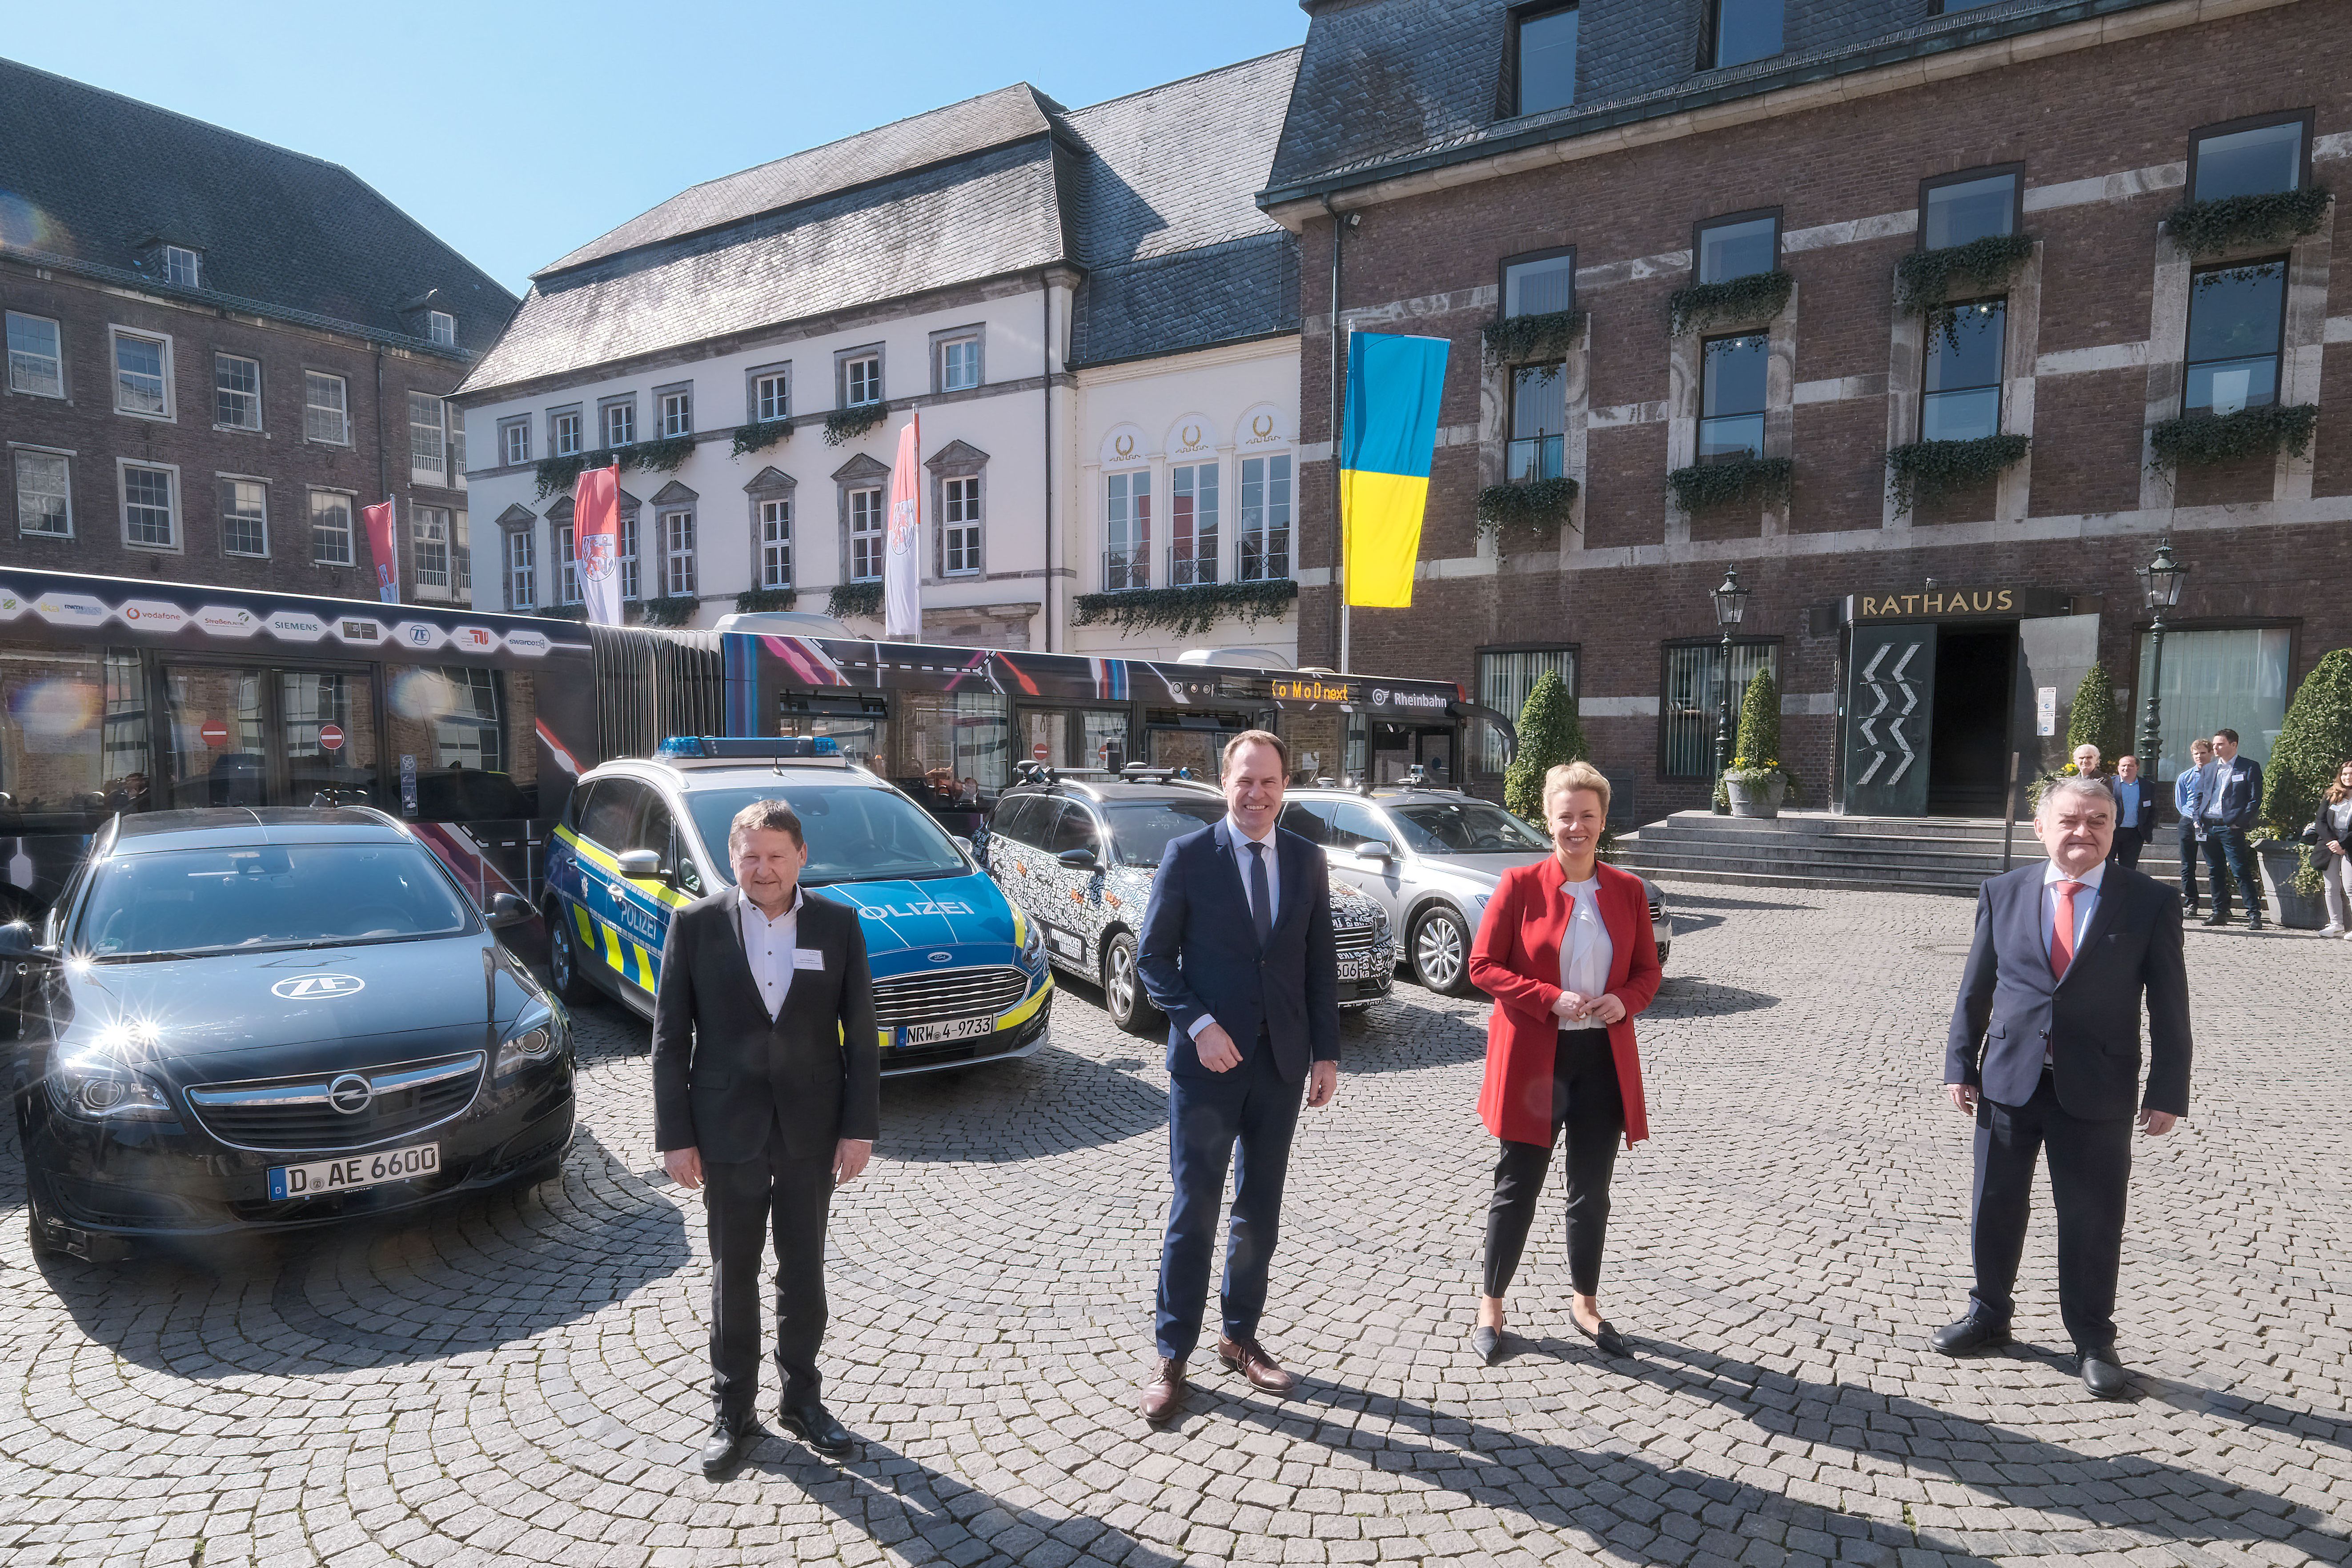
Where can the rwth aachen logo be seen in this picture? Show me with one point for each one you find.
(310, 988)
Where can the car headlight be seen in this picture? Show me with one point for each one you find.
(1032, 943)
(99, 1087)
(532, 1043)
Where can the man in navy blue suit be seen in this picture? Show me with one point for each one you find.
(2045, 1051)
(1237, 951)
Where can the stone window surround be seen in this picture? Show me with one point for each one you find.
(418, 515)
(219, 477)
(506, 537)
(618, 399)
(977, 334)
(956, 460)
(115, 332)
(260, 398)
(65, 375)
(1906, 371)
(123, 507)
(518, 422)
(2016, 171)
(352, 523)
(669, 500)
(1750, 214)
(1503, 272)
(841, 358)
(2300, 117)
(756, 374)
(660, 419)
(349, 426)
(773, 484)
(631, 509)
(1685, 376)
(1666, 647)
(862, 472)
(71, 457)
(554, 449)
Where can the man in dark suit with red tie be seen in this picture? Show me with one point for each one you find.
(2044, 1050)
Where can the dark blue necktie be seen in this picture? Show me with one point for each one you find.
(1261, 896)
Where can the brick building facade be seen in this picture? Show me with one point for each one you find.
(2063, 134)
(218, 352)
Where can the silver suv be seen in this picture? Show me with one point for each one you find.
(1430, 857)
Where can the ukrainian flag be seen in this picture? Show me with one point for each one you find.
(1389, 432)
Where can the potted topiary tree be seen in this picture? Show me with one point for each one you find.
(2314, 741)
(1550, 732)
(1757, 783)
(2094, 721)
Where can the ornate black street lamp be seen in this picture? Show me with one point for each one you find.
(1730, 604)
(2161, 578)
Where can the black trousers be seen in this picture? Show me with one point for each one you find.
(1586, 1103)
(2192, 851)
(2129, 844)
(2090, 1170)
(743, 1202)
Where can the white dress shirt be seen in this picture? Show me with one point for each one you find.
(768, 946)
(2208, 789)
(1273, 859)
(2086, 899)
(1585, 950)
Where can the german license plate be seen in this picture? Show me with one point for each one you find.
(355, 1171)
(947, 1029)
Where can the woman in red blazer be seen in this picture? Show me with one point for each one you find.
(1567, 951)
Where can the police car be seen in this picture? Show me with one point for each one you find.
(1079, 854)
(959, 975)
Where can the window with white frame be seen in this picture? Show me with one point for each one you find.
(331, 528)
(428, 548)
(678, 553)
(960, 524)
(866, 536)
(1127, 531)
(150, 517)
(1265, 552)
(624, 555)
(960, 365)
(182, 268)
(44, 494)
(1506, 676)
(36, 361)
(236, 391)
(326, 409)
(245, 517)
(1192, 524)
(514, 442)
(620, 424)
(522, 570)
(678, 412)
(567, 557)
(861, 380)
(142, 375)
(564, 433)
(772, 396)
(427, 454)
(776, 543)
(441, 328)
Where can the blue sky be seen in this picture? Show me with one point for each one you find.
(516, 133)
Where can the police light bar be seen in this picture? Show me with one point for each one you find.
(750, 748)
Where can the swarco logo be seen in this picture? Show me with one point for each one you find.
(312, 987)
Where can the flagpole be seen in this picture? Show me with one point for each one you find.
(1339, 523)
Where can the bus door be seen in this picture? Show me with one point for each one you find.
(1398, 749)
(1196, 740)
(253, 735)
(1072, 737)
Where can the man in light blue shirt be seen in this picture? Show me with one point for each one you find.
(2187, 796)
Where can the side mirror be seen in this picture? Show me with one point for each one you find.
(1374, 849)
(510, 910)
(1079, 859)
(966, 845)
(18, 945)
(642, 866)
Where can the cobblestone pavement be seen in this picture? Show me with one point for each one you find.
(520, 1381)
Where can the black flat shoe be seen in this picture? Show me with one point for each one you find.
(1611, 1342)
(1487, 1343)
(725, 1447)
(813, 1424)
(2102, 1373)
(1970, 1334)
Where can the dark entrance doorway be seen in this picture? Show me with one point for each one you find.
(1969, 744)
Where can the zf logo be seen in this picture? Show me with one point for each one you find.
(309, 987)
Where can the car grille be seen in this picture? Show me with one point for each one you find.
(1355, 938)
(301, 1113)
(947, 994)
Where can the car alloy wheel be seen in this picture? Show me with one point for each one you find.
(1123, 987)
(563, 958)
(1441, 952)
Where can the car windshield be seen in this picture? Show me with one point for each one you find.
(855, 834)
(247, 898)
(1464, 828)
(1141, 832)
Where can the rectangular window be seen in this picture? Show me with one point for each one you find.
(1544, 59)
(36, 363)
(771, 397)
(236, 391)
(522, 570)
(1741, 30)
(428, 459)
(2255, 161)
(958, 364)
(182, 266)
(626, 553)
(960, 524)
(1538, 415)
(678, 553)
(2236, 314)
(1693, 689)
(676, 414)
(1539, 285)
(1127, 531)
(620, 424)
(441, 327)
(564, 433)
(567, 557)
(245, 518)
(142, 375)
(1731, 399)
(428, 544)
(457, 444)
(861, 380)
(866, 536)
(1962, 400)
(2233, 675)
(149, 517)
(514, 442)
(1192, 524)
(461, 571)
(1737, 248)
(44, 495)
(326, 409)
(776, 543)
(1505, 678)
(1265, 519)
(1966, 207)
(331, 528)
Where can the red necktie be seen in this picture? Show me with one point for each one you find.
(2062, 935)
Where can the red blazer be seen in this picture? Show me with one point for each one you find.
(1516, 959)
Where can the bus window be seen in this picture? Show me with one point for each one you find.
(1314, 744)
(73, 737)
(473, 733)
(961, 734)
(218, 740)
(315, 708)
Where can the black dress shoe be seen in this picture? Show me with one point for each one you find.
(2254, 922)
(813, 1424)
(1611, 1342)
(728, 1443)
(1487, 1343)
(2215, 921)
(2102, 1373)
(1970, 1334)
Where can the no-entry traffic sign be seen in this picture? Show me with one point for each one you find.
(214, 732)
(1038, 751)
(331, 737)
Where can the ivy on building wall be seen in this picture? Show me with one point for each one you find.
(671, 611)
(1925, 280)
(557, 476)
(759, 437)
(1705, 485)
(2200, 439)
(2225, 222)
(1523, 340)
(1926, 470)
(665, 456)
(1185, 611)
(1533, 503)
(845, 425)
(1759, 297)
(751, 601)
(852, 599)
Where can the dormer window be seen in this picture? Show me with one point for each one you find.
(441, 328)
(182, 268)
(1543, 58)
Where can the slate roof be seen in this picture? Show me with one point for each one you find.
(89, 180)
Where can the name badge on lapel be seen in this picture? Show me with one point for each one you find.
(808, 958)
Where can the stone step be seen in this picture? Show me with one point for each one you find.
(1853, 874)
(1816, 884)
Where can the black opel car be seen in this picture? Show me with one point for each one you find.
(237, 1018)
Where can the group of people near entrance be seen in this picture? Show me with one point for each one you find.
(766, 1074)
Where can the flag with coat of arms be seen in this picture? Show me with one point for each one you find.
(902, 559)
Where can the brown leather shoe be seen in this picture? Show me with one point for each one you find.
(1164, 1392)
(1249, 1358)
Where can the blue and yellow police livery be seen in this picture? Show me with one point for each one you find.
(959, 975)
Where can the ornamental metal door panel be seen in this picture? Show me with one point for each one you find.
(1889, 709)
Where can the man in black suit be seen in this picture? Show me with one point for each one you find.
(2045, 1051)
(2230, 802)
(2134, 811)
(1237, 951)
(767, 1095)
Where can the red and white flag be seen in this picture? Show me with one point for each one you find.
(902, 560)
(382, 535)
(596, 540)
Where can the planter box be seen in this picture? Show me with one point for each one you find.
(2288, 907)
(1756, 800)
